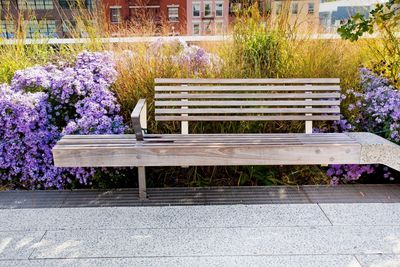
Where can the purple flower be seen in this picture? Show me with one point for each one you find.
(44, 103)
(378, 111)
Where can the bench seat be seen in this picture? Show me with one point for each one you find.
(221, 149)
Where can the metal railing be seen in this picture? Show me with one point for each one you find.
(146, 39)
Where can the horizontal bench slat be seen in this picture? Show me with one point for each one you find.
(248, 110)
(209, 135)
(249, 103)
(249, 81)
(167, 141)
(239, 88)
(207, 155)
(249, 118)
(248, 96)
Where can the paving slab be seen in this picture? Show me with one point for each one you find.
(230, 261)
(32, 199)
(18, 244)
(163, 217)
(355, 193)
(379, 260)
(261, 241)
(363, 213)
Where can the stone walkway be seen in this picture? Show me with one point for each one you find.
(313, 234)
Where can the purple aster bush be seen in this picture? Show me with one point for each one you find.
(376, 110)
(26, 139)
(192, 59)
(197, 60)
(44, 103)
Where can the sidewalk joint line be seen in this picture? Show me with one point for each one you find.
(326, 216)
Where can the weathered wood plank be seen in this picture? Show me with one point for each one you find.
(248, 110)
(207, 155)
(247, 103)
(247, 88)
(249, 96)
(249, 81)
(249, 118)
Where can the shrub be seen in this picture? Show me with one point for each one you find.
(376, 110)
(44, 103)
(261, 48)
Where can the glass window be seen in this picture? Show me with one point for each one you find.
(310, 8)
(207, 9)
(7, 29)
(35, 4)
(196, 28)
(218, 9)
(89, 4)
(115, 15)
(71, 4)
(295, 8)
(173, 14)
(207, 27)
(196, 10)
(41, 28)
(68, 27)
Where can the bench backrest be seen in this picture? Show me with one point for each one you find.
(247, 100)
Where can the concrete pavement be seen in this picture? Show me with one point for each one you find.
(331, 234)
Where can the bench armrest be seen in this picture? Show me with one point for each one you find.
(139, 119)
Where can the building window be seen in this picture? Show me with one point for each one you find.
(115, 14)
(68, 28)
(68, 4)
(196, 10)
(74, 4)
(207, 27)
(35, 4)
(173, 13)
(207, 9)
(218, 9)
(219, 27)
(278, 8)
(196, 28)
(295, 8)
(310, 8)
(41, 28)
(7, 29)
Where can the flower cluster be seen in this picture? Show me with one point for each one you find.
(44, 103)
(377, 110)
(194, 59)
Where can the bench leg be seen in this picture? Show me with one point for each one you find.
(142, 183)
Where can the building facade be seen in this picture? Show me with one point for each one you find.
(42, 18)
(207, 17)
(163, 13)
(334, 14)
(303, 14)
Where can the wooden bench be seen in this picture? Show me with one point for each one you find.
(193, 100)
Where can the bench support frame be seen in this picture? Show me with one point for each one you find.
(142, 182)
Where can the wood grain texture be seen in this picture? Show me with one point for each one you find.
(248, 81)
(206, 155)
(335, 110)
(251, 118)
(249, 96)
(247, 88)
(204, 150)
(227, 103)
